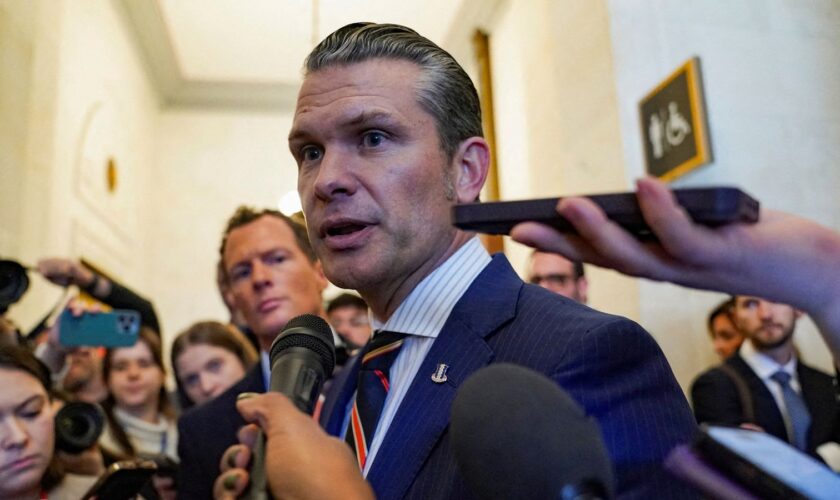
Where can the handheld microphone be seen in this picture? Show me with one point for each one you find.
(302, 357)
(516, 434)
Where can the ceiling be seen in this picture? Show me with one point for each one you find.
(248, 54)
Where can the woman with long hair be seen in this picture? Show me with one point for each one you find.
(140, 418)
(208, 358)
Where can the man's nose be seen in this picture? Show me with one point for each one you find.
(260, 275)
(335, 176)
(764, 310)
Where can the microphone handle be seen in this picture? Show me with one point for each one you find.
(258, 484)
(298, 374)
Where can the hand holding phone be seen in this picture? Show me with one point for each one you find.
(713, 206)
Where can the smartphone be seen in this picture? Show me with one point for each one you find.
(117, 328)
(766, 465)
(711, 206)
(165, 466)
(122, 480)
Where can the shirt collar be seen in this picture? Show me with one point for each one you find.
(427, 307)
(764, 366)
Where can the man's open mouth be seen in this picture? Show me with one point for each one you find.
(344, 229)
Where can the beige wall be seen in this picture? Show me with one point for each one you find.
(557, 117)
(206, 164)
(81, 92)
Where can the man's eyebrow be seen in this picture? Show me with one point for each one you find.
(371, 116)
(361, 118)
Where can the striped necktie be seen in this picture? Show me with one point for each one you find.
(798, 415)
(371, 391)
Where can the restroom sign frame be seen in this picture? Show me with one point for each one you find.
(673, 121)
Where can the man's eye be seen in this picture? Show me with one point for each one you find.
(310, 153)
(214, 365)
(372, 139)
(190, 380)
(277, 259)
(239, 273)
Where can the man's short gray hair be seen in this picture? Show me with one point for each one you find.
(444, 90)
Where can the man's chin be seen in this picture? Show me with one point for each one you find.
(267, 331)
(772, 342)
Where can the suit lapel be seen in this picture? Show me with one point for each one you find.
(338, 396)
(767, 412)
(423, 416)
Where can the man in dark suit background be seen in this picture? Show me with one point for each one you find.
(765, 385)
(272, 276)
(387, 136)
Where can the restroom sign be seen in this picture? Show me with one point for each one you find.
(673, 118)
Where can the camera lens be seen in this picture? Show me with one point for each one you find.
(13, 283)
(78, 426)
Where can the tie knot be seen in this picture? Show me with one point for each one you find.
(782, 377)
(384, 345)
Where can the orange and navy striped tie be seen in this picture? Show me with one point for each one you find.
(371, 391)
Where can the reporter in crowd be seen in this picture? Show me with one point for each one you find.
(273, 276)
(208, 358)
(726, 337)
(140, 418)
(77, 371)
(29, 468)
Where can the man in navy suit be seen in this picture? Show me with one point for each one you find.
(746, 389)
(387, 137)
(273, 275)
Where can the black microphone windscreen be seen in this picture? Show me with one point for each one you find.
(516, 434)
(310, 332)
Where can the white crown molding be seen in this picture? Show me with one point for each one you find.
(145, 23)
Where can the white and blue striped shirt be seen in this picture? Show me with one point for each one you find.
(422, 316)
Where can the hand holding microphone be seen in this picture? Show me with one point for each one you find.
(304, 461)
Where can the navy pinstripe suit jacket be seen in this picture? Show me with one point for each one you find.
(608, 364)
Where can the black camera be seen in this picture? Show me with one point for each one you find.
(13, 283)
(78, 426)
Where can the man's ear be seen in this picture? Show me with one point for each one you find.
(471, 163)
(583, 289)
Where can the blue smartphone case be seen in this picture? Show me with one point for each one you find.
(117, 328)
